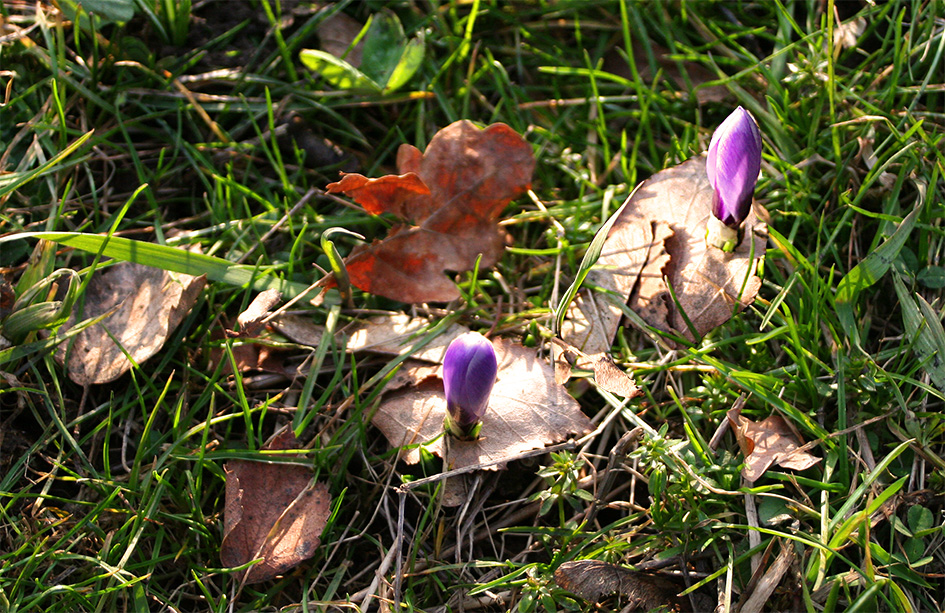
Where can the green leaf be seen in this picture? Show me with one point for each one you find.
(337, 72)
(15, 180)
(932, 277)
(383, 46)
(919, 518)
(113, 10)
(409, 63)
(168, 258)
(590, 258)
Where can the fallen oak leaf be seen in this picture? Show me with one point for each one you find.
(607, 375)
(594, 580)
(454, 193)
(148, 304)
(273, 512)
(391, 334)
(527, 410)
(665, 219)
(770, 441)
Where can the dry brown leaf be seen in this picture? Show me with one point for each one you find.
(298, 329)
(250, 320)
(527, 410)
(395, 333)
(759, 600)
(390, 334)
(149, 303)
(412, 374)
(335, 35)
(453, 194)
(770, 441)
(273, 512)
(612, 378)
(594, 580)
(592, 319)
(7, 297)
(665, 219)
(607, 375)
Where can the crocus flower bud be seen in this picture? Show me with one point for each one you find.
(469, 370)
(733, 165)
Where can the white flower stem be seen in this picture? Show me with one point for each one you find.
(720, 236)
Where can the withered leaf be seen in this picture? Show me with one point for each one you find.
(336, 33)
(663, 224)
(250, 320)
(452, 194)
(607, 375)
(273, 512)
(395, 333)
(391, 334)
(7, 297)
(298, 329)
(770, 441)
(148, 303)
(527, 410)
(594, 580)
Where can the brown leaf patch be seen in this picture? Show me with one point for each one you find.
(335, 35)
(7, 297)
(594, 580)
(273, 512)
(395, 333)
(390, 334)
(453, 194)
(250, 320)
(658, 242)
(148, 304)
(527, 410)
(298, 329)
(607, 375)
(770, 441)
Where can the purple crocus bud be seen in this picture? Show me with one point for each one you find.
(733, 165)
(469, 370)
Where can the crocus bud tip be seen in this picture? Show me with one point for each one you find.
(733, 165)
(469, 371)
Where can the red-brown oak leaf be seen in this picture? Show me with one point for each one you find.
(451, 197)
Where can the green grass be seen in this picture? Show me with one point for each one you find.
(111, 497)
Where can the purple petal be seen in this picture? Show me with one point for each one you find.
(469, 371)
(732, 165)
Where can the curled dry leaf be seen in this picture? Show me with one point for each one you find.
(607, 375)
(594, 580)
(658, 242)
(527, 410)
(770, 441)
(452, 196)
(273, 512)
(147, 303)
(250, 320)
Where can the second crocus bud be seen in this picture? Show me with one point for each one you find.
(469, 371)
(733, 164)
